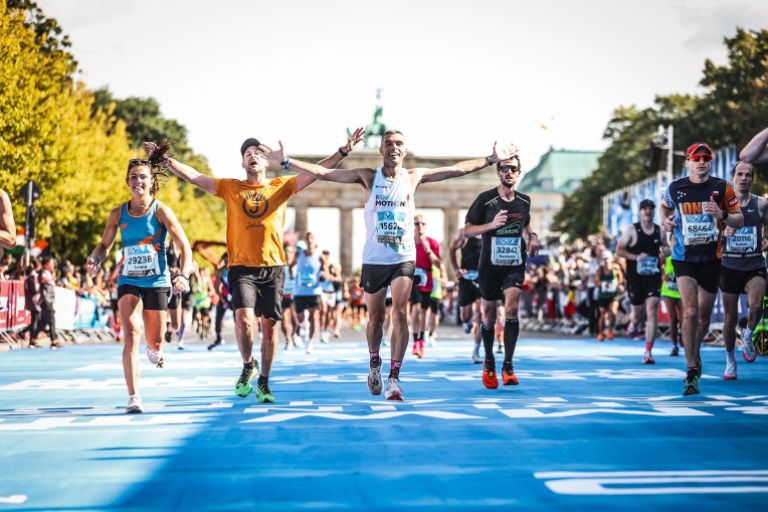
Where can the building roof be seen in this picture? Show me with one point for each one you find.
(560, 171)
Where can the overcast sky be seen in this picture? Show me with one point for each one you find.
(455, 75)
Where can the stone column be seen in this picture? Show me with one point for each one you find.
(345, 240)
(450, 226)
(300, 223)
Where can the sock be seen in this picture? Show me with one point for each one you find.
(648, 346)
(262, 380)
(415, 336)
(180, 332)
(251, 364)
(511, 332)
(488, 335)
(394, 369)
(421, 335)
(730, 357)
(375, 359)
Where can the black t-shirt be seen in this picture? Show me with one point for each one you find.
(504, 246)
(470, 253)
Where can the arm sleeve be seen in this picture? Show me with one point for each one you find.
(730, 201)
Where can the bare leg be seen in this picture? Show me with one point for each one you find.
(130, 311)
(244, 320)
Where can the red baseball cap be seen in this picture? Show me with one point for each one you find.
(697, 146)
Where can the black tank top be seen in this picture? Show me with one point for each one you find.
(171, 257)
(741, 251)
(470, 253)
(650, 245)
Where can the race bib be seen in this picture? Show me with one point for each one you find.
(141, 261)
(420, 276)
(471, 275)
(506, 251)
(327, 287)
(672, 285)
(390, 227)
(609, 287)
(308, 279)
(648, 266)
(743, 240)
(699, 229)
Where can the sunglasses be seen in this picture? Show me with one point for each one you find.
(138, 161)
(700, 158)
(420, 223)
(508, 168)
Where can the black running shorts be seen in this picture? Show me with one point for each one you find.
(706, 273)
(152, 299)
(377, 277)
(641, 288)
(494, 279)
(259, 288)
(735, 281)
(302, 302)
(469, 292)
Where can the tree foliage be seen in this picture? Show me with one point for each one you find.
(733, 108)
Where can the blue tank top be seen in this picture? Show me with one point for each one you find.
(144, 260)
(307, 275)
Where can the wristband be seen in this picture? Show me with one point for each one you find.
(286, 164)
(342, 153)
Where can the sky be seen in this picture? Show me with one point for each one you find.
(455, 75)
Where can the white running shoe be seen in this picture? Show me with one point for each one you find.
(476, 358)
(384, 342)
(467, 327)
(393, 391)
(134, 405)
(748, 349)
(325, 337)
(155, 356)
(730, 369)
(180, 345)
(310, 347)
(374, 379)
(297, 341)
(648, 358)
(432, 340)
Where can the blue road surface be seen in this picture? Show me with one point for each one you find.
(588, 428)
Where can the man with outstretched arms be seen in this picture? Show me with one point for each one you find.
(255, 221)
(644, 247)
(469, 292)
(695, 209)
(7, 226)
(389, 252)
(502, 216)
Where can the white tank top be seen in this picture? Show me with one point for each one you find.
(389, 221)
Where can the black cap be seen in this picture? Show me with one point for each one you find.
(647, 203)
(248, 143)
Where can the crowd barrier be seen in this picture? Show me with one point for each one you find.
(78, 318)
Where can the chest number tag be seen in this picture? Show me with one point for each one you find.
(506, 251)
(744, 240)
(699, 229)
(648, 266)
(141, 261)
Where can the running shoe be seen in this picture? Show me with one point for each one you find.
(499, 348)
(432, 340)
(214, 344)
(155, 356)
(325, 337)
(180, 345)
(600, 337)
(264, 394)
(288, 347)
(374, 377)
(384, 342)
(610, 334)
(508, 377)
(467, 327)
(730, 370)
(691, 383)
(648, 358)
(748, 349)
(632, 330)
(421, 349)
(393, 391)
(243, 386)
(169, 336)
(134, 405)
(310, 346)
(476, 355)
(675, 351)
(490, 381)
(298, 341)
(415, 348)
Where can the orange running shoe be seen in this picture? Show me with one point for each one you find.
(509, 378)
(490, 380)
(600, 337)
(610, 334)
(415, 350)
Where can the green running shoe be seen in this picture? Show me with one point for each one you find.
(243, 385)
(691, 383)
(264, 394)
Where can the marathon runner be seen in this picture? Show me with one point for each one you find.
(144, 282)
(694, 210)
(670, 294)
(7, 225)
(255, 220)
(502, 216)
(469, 291)
(643, 246)
(389, 253)
(743, 267)
(427, 256)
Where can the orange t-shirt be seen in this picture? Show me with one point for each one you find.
(255, 220)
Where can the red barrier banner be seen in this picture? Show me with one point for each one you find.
(20, 316)
(6, 292)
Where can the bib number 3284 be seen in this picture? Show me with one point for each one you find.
(506, 251)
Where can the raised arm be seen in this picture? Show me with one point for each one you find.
(168, 219)
(7, 226)
(278, 156)
(304, 180)
(97, 256)
(468, 166)
(185, 172)
(756, 150)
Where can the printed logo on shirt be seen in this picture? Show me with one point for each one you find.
(255, 205)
